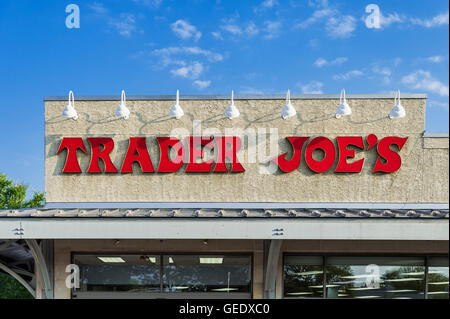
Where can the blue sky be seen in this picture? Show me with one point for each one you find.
(209, 46)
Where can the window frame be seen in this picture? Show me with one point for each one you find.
(161, 265)
(325, 257)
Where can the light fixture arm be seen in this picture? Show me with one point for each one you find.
(123, 98)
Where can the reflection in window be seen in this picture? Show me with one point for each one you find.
(375, 277)
(438, 277)
(303, 277)
(206, 273)
(124, 273)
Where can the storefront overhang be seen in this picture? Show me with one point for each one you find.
(306, 224)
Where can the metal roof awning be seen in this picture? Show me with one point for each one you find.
(188, 223)
(227, 213)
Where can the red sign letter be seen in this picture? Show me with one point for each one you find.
(345, 153)
(137, 152)
(223, 154)
(393, 161)
(195, 153)
(71, 144)
(292, 164)
(165, 164)
(96, 154)
(329, 154)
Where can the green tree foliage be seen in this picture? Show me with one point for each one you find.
(12, 289)
(13, 196)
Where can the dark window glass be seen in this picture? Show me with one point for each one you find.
(207, 273)
(438, 278)
(303, 277)
(121, 273)
(376, 277)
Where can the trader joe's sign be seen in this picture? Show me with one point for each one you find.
(193, 150)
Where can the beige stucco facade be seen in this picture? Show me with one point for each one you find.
(423, 177)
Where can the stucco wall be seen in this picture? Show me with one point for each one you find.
(422, 178)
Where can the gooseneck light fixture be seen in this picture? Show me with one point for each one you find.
(122, 111)
(69, 111)
(288, 111)
(176, 111)
(232, 111)
(343, 109)
(398, 110)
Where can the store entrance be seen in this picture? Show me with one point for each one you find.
(187, 276)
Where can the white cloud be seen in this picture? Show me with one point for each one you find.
(383, 71)
(265, 5)
(192, 71)
(391, 18)
(316, 16)
(217, 35)
(202, 84)
(170, 51)
(423, 80)
(341, 26)
(348, 75)
(313, 87)
(272, 29)
(185, 30)
(435, 59)
(251, 29)
(233, 28)
(269, 3)
(337, 25)
(125, 25)
(98, 8)
(321, 62)
(149, 3)
(439, 20)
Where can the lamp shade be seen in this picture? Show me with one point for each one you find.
(398, 111)
(232, 111)
(122, 111)
(343, 108)
(69, 111)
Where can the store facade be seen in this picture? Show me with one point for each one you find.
(141, 204)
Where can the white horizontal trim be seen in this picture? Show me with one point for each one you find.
(212, 228)
(242, 205)
(236, 97)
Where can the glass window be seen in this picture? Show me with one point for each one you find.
(303, 277)
(121, 273)
(376, 277)
(206, 273)
(438, 278)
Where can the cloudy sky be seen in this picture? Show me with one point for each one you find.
(211, 47)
